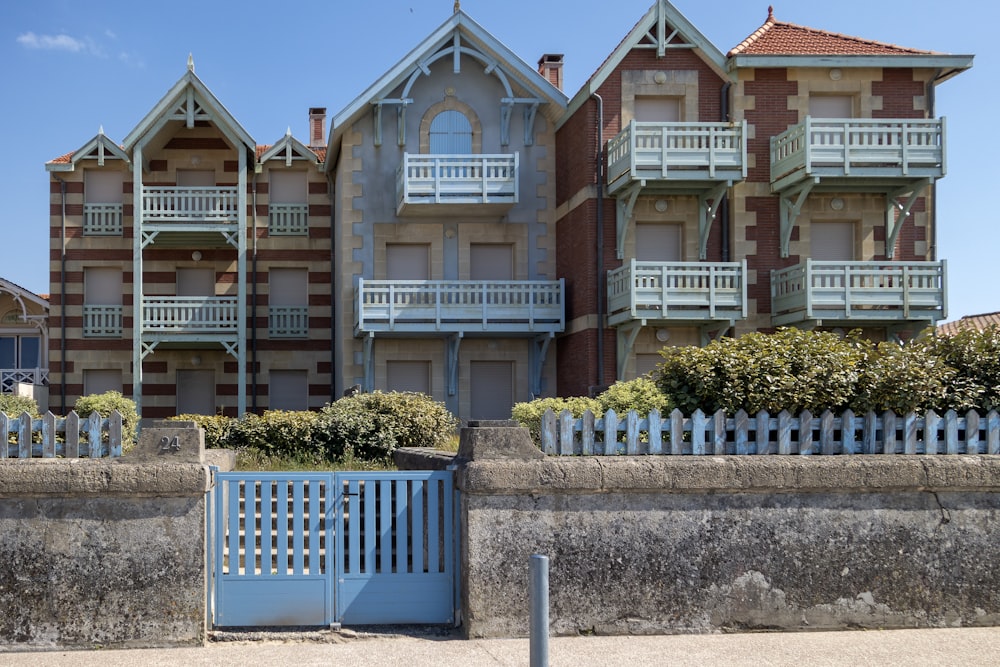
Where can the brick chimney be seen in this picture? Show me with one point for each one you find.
(551, 67)
(317, 127)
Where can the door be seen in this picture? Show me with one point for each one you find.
(491, 389)
(832, 241)
(412, 376)
(196, 392)
(491, 261)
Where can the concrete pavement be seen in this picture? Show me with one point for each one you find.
(966, 646)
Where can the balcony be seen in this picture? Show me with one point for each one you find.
(890, 150)
(10, 377)
(859, 293)
(460, 306)
(102, 219)
(676, 154)
(288, 220)
(677, 292)
(102, 321)
(288, 321)
(189, 317)
(435, 185)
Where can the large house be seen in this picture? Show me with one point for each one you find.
(469, 232)
(24, 341)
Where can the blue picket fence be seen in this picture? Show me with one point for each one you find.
(716, 434)
(47, 437)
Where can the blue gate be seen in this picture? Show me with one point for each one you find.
(323, 548)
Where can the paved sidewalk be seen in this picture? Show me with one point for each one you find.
(975, 646)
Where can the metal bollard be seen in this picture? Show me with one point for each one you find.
(539, 621)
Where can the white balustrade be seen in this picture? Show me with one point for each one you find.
(288, 219)
(102, 321)
(10, 377)
(163, 203)
(288, 321)
(102, 219)
(486, 179)
(677, 290)
(189, 314)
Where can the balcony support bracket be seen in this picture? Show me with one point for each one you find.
(231, 349)
(893, 222)
(715, 330)
(539, 349)
(627, 334)
(147, 238)
(530, 111)
(506, 109)
(624, 207)
(790, 210)
(707, 214)
(453, 343)
(146, 349)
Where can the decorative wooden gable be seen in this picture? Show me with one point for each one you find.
(290, 150)
(98, 149)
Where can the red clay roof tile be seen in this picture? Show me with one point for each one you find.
(977, 322)
(788, 39)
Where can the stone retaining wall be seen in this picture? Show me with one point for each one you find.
(642, 545)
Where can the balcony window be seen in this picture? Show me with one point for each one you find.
(102, 302)
(658, 242)
(288, 303)
(412, 376)
(832, 241)
(407, 261)
(831, 106)
(491, 261)
(451, 133)
(288, 208)
(649, 109)
(102, 203)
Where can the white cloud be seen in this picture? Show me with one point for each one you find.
(53, 42)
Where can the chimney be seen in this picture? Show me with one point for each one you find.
(551, 67)
(317, 127)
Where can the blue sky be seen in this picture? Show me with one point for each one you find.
(71, 67)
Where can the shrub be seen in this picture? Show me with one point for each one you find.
(13, 405)
(104, 404)
(529, 414)
(975, 355)
(640, 394)
(217, 428)
(788, 370)
(371, 426)
(902, 378)
(279, 433)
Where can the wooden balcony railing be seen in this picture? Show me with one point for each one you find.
(102, 321)
(890, 291)
(288, 219)
(677, 151)
(427, 306)
(10, 377)
(189, 314)
(102, 219)
(163, 203)
(860, 147)
(288, 321)
(457, 179)
(677, 291)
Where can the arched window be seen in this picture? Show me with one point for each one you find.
(451, 133)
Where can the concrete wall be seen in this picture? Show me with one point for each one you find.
(105, 553)
(646, 545)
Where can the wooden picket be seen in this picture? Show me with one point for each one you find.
(60, 437)
(786, 434)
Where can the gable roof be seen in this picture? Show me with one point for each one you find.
(100, 148)
(782, 44)
(289, 149)
(646, 28)
(20, 293)
(190, 99)
(469, 32)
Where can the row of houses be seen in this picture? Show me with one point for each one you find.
(464, 228)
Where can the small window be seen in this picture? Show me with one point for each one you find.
(288, 208)
(20, 352)
(491, 261)
(407, 261)
(831, 106)
(101, 381)
(451, 133)
(656, 242)
(195, 282)
(832, 241)
(102, 302)
(288, 303)
(288, 390)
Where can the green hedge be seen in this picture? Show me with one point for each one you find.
(104, 404)
(13, 405)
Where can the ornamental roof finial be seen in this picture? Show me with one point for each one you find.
(458, 6)
(191, 62)
(770, 12)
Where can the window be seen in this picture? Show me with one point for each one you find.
(646, 363)
(656, 242)
(102, 302)
(288, 390)
(831, 106)
(832, 241)
(20, 352)
(491, 261)
(407, 261)
(195, 282)
(288, 208)
(492, 389)
(657, 109)
(288, 303)
(451, 133)
(195, 392)
(101, 381)
(408, 376)
(102, 202)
